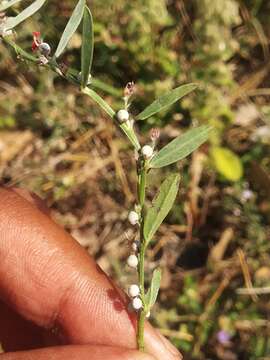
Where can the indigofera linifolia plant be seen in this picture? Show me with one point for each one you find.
(147, 219)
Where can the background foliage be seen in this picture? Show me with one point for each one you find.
(58, 144)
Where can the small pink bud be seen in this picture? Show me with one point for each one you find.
(129, 89)
(154, 134)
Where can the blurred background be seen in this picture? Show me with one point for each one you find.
(214, 246)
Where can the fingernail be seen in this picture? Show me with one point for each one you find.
(160, 347)
(170, 347)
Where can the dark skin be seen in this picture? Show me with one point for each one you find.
(53, 293)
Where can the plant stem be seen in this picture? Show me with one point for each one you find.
(142, 186)
(141, 315)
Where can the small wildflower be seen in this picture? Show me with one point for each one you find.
(223, 337)
(147, 151)
(133, 217)
(122, 116)
(137, 303)
(36, 40)
(133, 290)
(132, 261)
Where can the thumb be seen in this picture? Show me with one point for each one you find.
(78, 352)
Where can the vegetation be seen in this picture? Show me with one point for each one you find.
(215, 243)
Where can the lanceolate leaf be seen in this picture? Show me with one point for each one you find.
(98, 99)
(152, 293)
(87, 46)
(161, 206)
(180, 147)
(8, 4)
(26, 13)
(71, 27)
(166, 100)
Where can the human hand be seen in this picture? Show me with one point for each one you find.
(48, 281)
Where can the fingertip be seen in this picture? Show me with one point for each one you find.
(32, 198)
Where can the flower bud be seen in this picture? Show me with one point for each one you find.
(133, 217)
(154, 134)
(148, 315)
(133, 291)
(122, 116)
(129, 89)
(44, 49)
(135, 245)
(132, 261)
(137, 303)
(147, 151)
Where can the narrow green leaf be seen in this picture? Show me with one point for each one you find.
(166, 100)
(98, 99)
(180, 147)
(161, 206)
(71, 27)
(87, 46)
(152, 293)
(26, 13)
(99, 84)
(7, 4)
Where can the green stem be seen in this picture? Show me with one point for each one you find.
(141, 316)
(142, 186)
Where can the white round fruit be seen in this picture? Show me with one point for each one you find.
(137, 303)
(133, 217)
(122, 116)
(44, 49)
(147, 151)
(133, 291)
(132, 261)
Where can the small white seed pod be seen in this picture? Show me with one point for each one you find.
(137, 303)
(44, 49)
(122, 116)
(147, 151)
(148, 315)
(133, 217)
(133, 290)
(132, 261)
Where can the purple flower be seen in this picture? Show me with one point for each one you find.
(223, 337)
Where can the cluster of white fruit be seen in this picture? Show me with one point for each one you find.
(132, 261)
